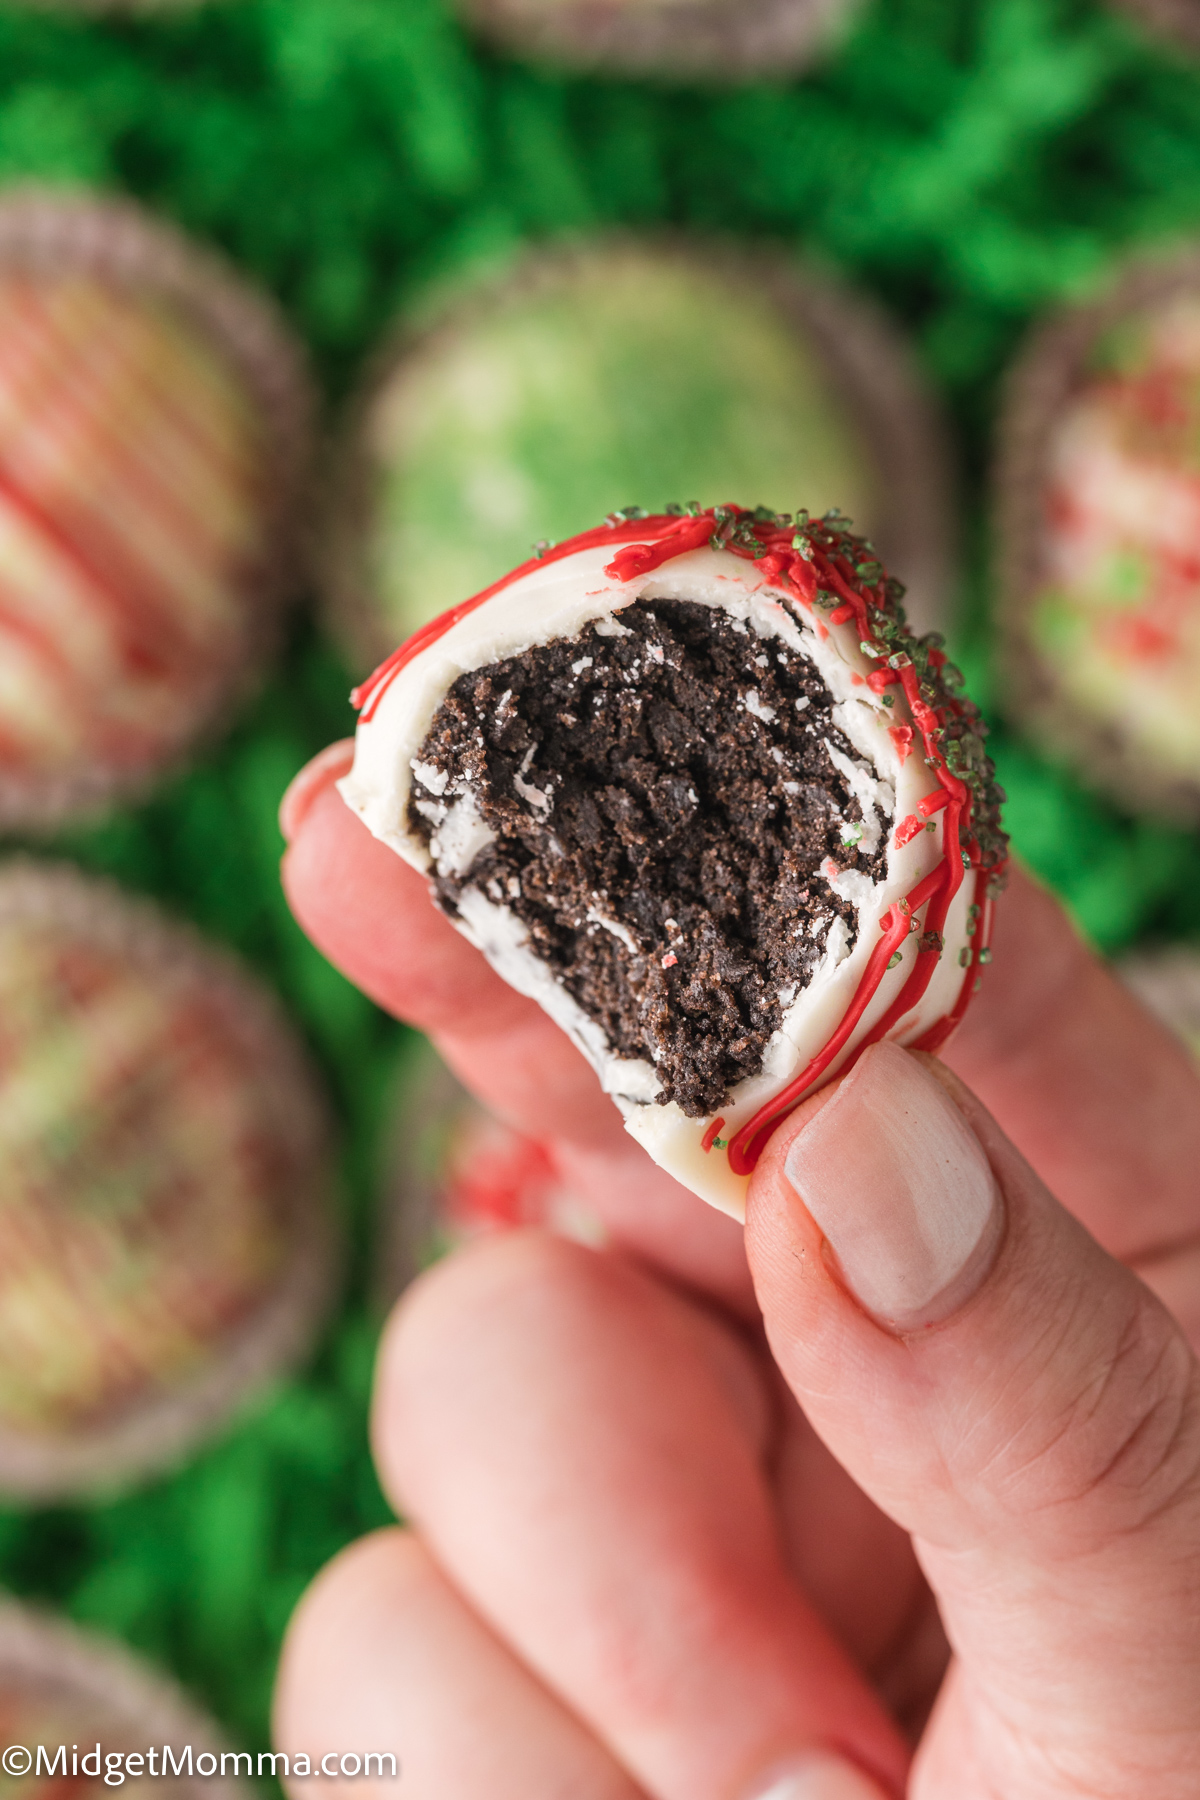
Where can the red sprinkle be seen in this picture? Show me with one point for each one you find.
(711, 1135)
(907, 830)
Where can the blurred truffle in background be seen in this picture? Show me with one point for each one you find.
(1176, 19)
(1098, 529)
(1167, 980)
(459, 1172)
(717, 40)
(135, 7)
(62, 1687)
(617, 373)
(155, 427)
(167, 1237)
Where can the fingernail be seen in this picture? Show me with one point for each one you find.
(901, 1189)
(821, 1776)
(306, 787)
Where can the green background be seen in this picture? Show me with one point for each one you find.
(971, 163)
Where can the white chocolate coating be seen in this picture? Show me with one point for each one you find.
(557, 601)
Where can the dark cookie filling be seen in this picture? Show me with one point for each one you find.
(667, 787)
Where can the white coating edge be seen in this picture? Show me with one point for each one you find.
(557, 601)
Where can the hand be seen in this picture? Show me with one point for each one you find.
(638, 1568)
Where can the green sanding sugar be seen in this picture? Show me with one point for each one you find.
(970, 165)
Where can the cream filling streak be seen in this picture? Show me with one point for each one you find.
(558, 601)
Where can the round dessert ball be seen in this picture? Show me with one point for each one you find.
(460, 1172)
(718, 40)
(166, 1223)
(1178, 19)
(692, 783)
(1099, 535)
(616, 371)
(111, 6)
(155, 420)
(67, 1690)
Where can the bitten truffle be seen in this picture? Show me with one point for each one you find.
(690, 782)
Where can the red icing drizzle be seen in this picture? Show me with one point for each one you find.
(117, 589)
(771, 548)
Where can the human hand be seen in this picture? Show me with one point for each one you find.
(638, 1568)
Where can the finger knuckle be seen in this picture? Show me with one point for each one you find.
(1120, 1443)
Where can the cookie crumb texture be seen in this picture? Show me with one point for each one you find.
(660, 796)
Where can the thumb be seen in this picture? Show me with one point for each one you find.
(1020, 1403)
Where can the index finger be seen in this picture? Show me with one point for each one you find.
(372, 916)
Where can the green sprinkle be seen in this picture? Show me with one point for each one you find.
(964, 958)
(897, 956)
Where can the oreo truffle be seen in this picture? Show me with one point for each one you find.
(690, 782)
(69, 1690)
(528, 405)
(154, 435)
(1167, 980)
(1177, 19)
(1099, 529)
(166, 1225)
(722, 40)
